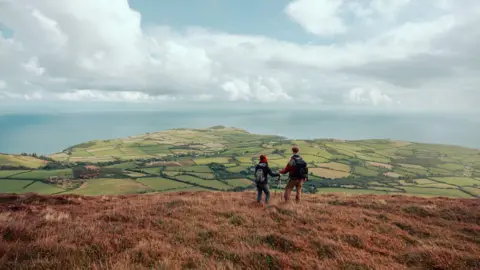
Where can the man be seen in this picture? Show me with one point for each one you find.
(298, 173)
(261, 178)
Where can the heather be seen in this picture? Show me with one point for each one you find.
(207, 230)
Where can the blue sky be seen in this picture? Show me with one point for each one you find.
(248, 17)
(381, 54)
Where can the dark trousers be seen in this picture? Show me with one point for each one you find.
(260, 189)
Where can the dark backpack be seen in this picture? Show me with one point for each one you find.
(301, 169)
(260, 175)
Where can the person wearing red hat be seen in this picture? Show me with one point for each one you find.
(298, 173)
(262, 170)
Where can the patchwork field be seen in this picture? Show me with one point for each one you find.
(162, 184)
(239, 182)
(327, 173)
(223, 159)
(110, 186)
(10, 173)
(44, 174)
(25, 186)
(335, 166)
(21, 161)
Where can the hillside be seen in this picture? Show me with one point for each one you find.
(29, 162)
(207, 230)
(221, 159)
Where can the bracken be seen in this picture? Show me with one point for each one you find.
(205, 230)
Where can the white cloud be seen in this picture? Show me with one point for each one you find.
(258, 89)
(371, 96)
(33, 67)
(333, 17)
(377, 52)
(101, 96)
(319, 17)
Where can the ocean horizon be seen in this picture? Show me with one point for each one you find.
(51, 133)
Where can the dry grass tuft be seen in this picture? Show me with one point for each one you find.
(206, 230)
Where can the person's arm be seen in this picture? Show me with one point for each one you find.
(272, 173)
(287, 168)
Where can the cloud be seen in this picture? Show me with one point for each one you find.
(258, 89)
(32, 67)
(319, 17)
(101, 96)
(370, 96)
(374, 52)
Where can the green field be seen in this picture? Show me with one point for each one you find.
(437, 192)
(126, 165)
(350, 191)
(108, 186)
(459, 181)
(451, 167)
(13, 186)
(227, 154)
(162, 184)
(19, 160)
(206, 183)
(209, 176)
(200, 169)
(204, 161)
(472, 190)
(335, 166)
(237, 169)
(9, 173)
(154, 171)
(239, 182)
(364, 171)
(41, 188)
(44, 174)
(24, 186)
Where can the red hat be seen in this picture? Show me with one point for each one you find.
(263, 158)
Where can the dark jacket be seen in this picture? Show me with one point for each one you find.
(290, 168)
(267, 170)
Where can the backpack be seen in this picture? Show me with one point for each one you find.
(301, 170)
(260, 175)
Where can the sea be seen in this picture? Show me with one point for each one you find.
(52, 132)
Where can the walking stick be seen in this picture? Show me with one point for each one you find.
(279, 180)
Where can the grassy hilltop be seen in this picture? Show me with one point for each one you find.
(208, 230)
(220, 158)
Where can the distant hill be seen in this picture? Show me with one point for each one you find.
(9, 160)
(221, 158)
(207, 230)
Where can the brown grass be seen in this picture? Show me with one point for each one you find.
(229, 231)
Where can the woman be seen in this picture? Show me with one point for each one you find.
(261, 178)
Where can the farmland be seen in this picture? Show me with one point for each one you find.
(222, 159)
(21, 161)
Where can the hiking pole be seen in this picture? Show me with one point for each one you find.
(279, 180)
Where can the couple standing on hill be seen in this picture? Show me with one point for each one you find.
(296, 168)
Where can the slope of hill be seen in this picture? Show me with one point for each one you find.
(21, 161)
(207, 230)
(221, 159)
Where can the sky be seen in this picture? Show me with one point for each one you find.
(371, 54)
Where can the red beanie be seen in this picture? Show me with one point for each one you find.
(263, 158)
